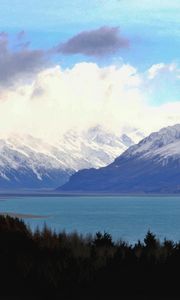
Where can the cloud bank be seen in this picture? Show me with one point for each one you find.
(18, 62)
(99, 42)
(81, 97)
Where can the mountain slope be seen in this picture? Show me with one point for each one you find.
(23, 167)
(28, 162)
(152, 166)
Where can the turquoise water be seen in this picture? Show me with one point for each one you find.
(127, 218)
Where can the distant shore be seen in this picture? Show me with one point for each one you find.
(7, 194)
(21, 216)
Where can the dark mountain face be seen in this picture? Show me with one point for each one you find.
(152, 166)
(25, 178)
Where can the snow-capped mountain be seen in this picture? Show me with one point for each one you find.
(151, 166)
(25, 166)
(29, 162)
(95, 147)
(162, 144)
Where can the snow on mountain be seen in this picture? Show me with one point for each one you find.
(162, 144)
(151, 166)
(93, 148)
(29, 162)
(22, 165)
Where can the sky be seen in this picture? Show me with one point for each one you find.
(76, 64)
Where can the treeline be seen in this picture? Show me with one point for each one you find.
(48, 265)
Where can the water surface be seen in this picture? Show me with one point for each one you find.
(124, 217)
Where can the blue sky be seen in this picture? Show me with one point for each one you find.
(58, 39)
(151, 26)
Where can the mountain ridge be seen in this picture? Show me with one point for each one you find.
(151, 166)
(29, 162)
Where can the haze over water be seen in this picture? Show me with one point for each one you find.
(127, 218)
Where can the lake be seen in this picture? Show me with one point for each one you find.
(125, 217)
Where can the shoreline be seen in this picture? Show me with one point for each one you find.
(22, 216)
(5, 195)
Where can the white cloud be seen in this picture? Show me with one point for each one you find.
(161, 68)
(86, 95)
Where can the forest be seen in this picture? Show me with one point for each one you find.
(55, 265)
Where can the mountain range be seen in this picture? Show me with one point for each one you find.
(151, 166)
(29, 162)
